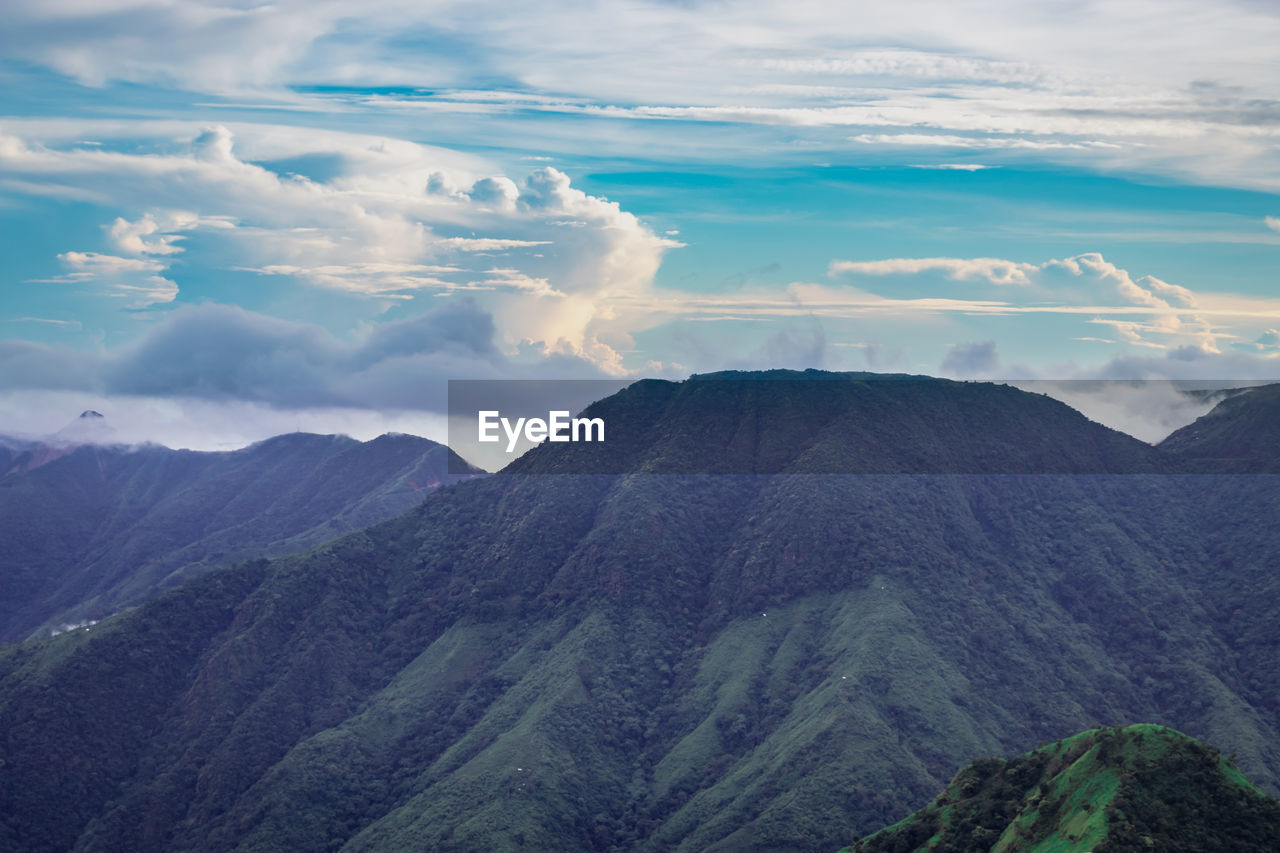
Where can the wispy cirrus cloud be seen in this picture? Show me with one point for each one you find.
(994, 270)
(952, 167)
(950, 140)
(1087, 290)
(135, 281)
(1177, 89)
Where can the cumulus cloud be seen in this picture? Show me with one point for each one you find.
(1273, 222)
(153, 234)
(543, 257)
(1267, 342)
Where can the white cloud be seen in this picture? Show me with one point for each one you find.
(1148, 409)
(1086, 291)
(953, 167)
(152, 290)
(1179, 88)
(1084, 284)
(944, 140)
(1267, 343)
(132, 280)
(1273, 222)
(224, 353)
(135, 281)
(95, 264)
(911, 64)
(489, 244)
(152, 236)
(994, 270)
(369, 279)
(543, 257)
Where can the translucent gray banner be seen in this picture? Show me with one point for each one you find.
(852, 423)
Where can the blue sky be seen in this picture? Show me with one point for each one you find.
(224, 220)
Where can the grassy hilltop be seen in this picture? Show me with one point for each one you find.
(1143, 787)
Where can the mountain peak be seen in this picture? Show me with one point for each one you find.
(783, 421)
(90, 427)
(1108, 789)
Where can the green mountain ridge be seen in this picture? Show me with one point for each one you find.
(1240, 434)
(835, 423)
(776, 660)
(1142, 787)
(90, 529)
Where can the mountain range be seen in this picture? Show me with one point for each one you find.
(716, 643)
(92, 527)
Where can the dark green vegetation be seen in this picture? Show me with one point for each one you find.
(1107, 790)
(90, 529)
(1240, 434)
(777, 660)
(812, 422)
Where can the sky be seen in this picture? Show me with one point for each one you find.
(224, 220)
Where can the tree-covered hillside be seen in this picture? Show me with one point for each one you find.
(778, 660)
(92, 528)
(1240, 434)
(1104, 791)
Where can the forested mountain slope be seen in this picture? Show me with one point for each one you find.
(1103, 791)
(91, 528)
(1242, 433)
(782, 660)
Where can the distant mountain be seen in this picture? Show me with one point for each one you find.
(1106, 791)
(780, 659)
(90, 528)
(1241, 433)
(90, 428)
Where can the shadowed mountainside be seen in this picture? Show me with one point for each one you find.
(1240, 434)
(775, 660)
(92, 528)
